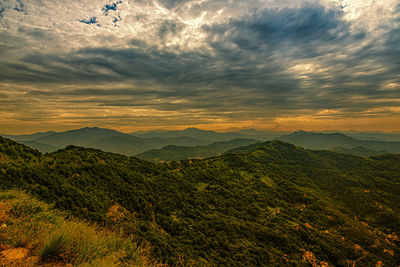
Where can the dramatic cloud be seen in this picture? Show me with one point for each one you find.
(203, 63)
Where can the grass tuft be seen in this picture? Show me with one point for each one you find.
(47, 233)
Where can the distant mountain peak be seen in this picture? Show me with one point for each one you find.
(193, 129)
(301, 132)
(90, 130)
(95, 128)
(339, 134)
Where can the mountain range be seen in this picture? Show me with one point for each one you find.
(375, 136)
(133, 143)
(192, 142)
(212, 136)
(330, 141)
(359, 151)
(105, 139)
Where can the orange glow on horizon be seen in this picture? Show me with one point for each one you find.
(306, 123)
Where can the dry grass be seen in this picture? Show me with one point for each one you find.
(28, 223)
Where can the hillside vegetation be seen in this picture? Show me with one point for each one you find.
(359, 151)
(266, 204)
(185, 152)
(32, 233)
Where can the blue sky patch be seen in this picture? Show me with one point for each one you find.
(109, 7)
(92, 20)
(116, 19)
(19, 6)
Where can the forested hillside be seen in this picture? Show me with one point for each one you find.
(359, 151)
(267, 204)
(172, 152)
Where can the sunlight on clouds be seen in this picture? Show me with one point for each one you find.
(383, 110)
(368, 13)
(311, 123)
(391, 86)
(327, 112)
(141, 20)
(205, 63)
(302, 70)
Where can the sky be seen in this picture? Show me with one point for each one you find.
(212, 64)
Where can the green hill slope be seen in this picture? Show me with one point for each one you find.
(184, 152)
(44, 148)
(359, 151)
(266, 204)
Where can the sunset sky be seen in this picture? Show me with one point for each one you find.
(213, 64)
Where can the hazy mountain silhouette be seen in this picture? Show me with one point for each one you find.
(131, 144)
(329, 141)
(172, 152)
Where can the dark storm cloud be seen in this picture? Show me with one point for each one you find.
(314, 32)
(169, 27)
(180, 75)
(299, 26)
(148, 64)
(391, 52)
(380, 63)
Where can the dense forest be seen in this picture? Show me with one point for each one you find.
(266, 204)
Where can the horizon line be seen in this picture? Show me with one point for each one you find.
(228, 130)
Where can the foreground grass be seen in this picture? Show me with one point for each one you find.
(34, 234)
